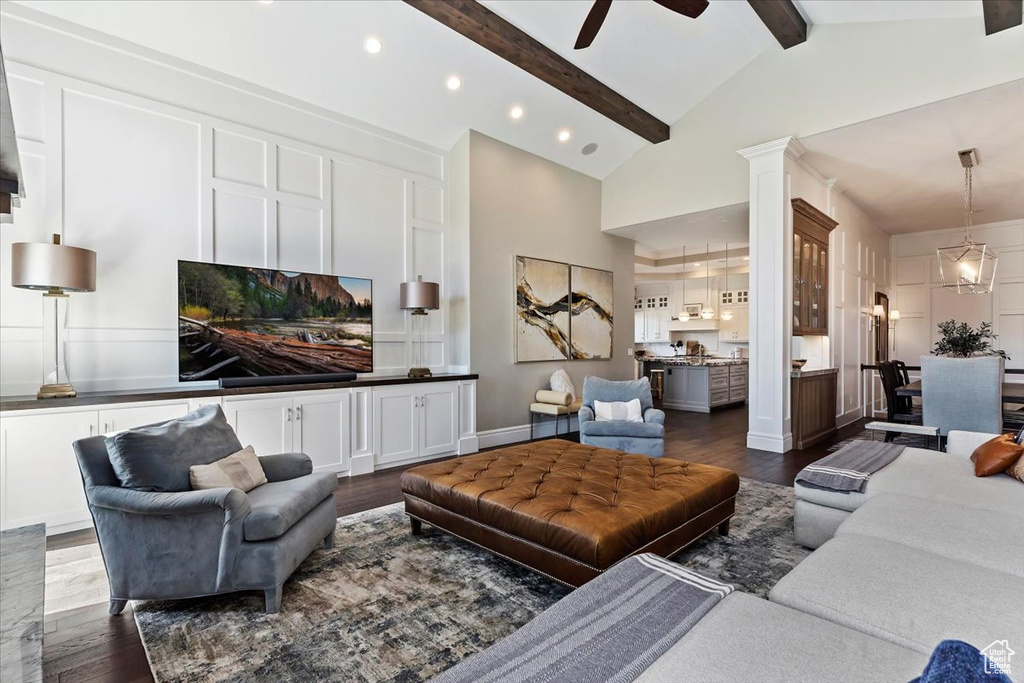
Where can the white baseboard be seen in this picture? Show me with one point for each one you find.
(775, 443)
(360, 464)
(469, 444)
(848, 418)
(519, 433)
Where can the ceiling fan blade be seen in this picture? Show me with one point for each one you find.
(688, 8)
(592, 24)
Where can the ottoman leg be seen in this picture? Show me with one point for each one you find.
(417, 526)
(723, 528)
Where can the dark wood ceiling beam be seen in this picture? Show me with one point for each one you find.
(1002, 14)
(487, 29)
(783, 19)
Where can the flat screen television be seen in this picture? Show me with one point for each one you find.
(239, 322)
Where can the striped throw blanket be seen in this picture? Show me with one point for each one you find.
(849, 468)
(610, 629)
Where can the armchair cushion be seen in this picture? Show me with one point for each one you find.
(277, 505)
(643, 430)
(597, 388)
(284, 466)
(157, 457)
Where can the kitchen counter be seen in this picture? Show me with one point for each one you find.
(693, 361)
(817, 372)
(700, 385)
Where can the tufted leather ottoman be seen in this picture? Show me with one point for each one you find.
(567, 510)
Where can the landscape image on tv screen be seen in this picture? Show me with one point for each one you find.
(235, 321)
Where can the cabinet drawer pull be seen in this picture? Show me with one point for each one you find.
(289, 414)
(298, 413)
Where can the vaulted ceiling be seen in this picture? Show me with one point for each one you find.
(314, 51)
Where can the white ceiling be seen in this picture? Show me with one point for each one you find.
(833, 12)
(903, 169)
(667, 237)
(313, 51)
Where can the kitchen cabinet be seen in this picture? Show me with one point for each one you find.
(651, 317)
(814, 406)
(811, 229)
(699, 388)
(737, 330)
(316, 424)
(415, 421)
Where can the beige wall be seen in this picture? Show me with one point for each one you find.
(522, 204)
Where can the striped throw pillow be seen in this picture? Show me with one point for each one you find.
(241, 470)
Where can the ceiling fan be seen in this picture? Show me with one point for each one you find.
(592, 24)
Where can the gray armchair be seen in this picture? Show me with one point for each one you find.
(159, 544)
(645, 438)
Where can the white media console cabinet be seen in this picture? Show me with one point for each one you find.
(350, 428)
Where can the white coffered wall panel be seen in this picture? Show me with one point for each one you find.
(144, 183)
(923, 304)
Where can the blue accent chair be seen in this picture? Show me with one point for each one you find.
(963, 394)
(645, 438)
(173, 543)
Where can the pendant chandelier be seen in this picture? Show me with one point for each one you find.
(683, 315)
(969, 267)
(707, 312)
(726, 313)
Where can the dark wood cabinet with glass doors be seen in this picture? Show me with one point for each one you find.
(811, 229)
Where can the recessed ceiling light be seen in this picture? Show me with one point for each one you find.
(454, 83)
(564, 135)
(373, 45)
(746, 258)
(696, 265)
(515, 112)
(266, 2)
(589, 148)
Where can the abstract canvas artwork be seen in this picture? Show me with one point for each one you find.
(542, 310)
(590, 329)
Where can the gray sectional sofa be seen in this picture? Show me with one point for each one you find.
(928, 553)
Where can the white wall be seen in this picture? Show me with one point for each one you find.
(147, 163)
(522, 204)
(843, 74)
(859, 266)
(923, 303)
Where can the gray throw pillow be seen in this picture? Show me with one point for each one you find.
(157, 457)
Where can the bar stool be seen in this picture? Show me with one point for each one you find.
(658, 384)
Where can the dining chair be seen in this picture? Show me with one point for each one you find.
(962, 394)
(897, 408)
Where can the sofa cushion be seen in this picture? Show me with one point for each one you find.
(276, 506)
(904, 595)
(961, 533)
(157, 457)
(932, 475)
(643, 430)
(618, 411)
(744, 638)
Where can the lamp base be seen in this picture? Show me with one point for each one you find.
(56, 391)
(420, 372)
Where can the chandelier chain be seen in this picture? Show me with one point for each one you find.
(968, 204)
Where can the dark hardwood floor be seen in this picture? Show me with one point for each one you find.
(88, 646)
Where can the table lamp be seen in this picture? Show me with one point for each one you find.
(418, 297)
(55, 269)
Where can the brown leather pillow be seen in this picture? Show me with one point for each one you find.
(996, 455)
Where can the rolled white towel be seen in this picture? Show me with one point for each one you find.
(557, 398)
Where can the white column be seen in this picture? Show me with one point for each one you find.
(771, 295)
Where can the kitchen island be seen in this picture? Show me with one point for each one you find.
(699, 384)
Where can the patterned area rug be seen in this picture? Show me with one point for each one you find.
(384, 605)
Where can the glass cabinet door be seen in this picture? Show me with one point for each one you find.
(797, 271)
(813, 287)
(823, 287)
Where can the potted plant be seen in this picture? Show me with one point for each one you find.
(960, 340)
